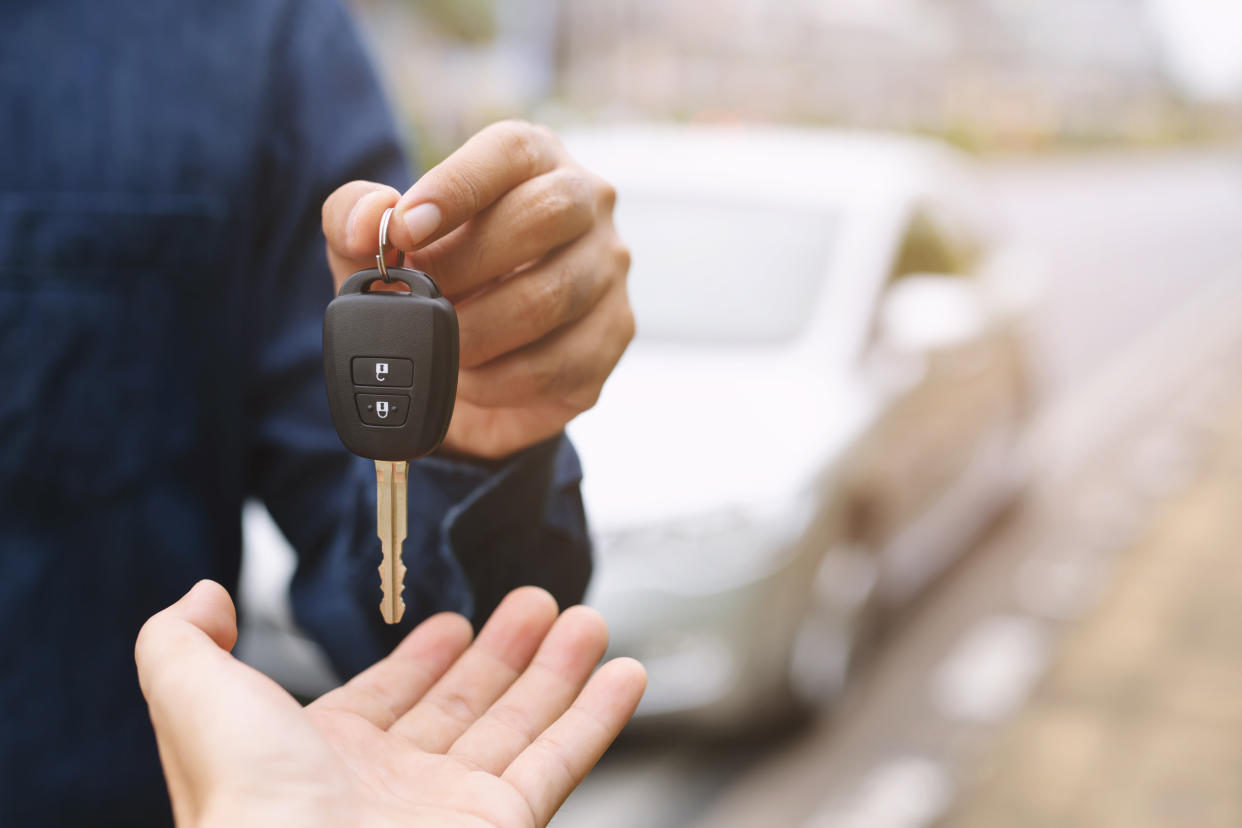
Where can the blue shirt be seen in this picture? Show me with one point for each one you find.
(162, 287)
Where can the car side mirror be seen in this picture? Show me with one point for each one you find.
(924, 313)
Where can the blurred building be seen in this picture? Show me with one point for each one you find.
(984, 73)
(980, 71)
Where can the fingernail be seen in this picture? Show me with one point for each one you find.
(421, 221)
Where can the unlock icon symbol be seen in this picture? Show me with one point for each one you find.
(381, 408)
(381, 371)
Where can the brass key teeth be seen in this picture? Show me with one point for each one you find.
(392, 579)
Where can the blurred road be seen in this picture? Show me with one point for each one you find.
(1139, 351)
(1136, 722)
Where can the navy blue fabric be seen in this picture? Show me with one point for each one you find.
(162, 285)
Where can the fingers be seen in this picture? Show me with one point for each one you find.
(382, 693)
(202, 623)
(351, 218)
(547, 772)
(544, 691)
(502, 157)
(492, 162)
(557, 291)
(568, 367)
(501, 652)
(534, 217)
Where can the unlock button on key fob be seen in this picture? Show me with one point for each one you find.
(393, 372)
(383, 409)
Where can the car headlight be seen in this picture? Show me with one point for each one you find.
(709, 552)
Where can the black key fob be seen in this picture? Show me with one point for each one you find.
(390, 364)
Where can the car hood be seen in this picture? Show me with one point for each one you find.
(686, 431)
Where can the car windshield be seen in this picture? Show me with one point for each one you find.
(714, 270)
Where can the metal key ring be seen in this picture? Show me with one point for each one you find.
(384, 245)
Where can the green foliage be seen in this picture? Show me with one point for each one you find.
(471, 21)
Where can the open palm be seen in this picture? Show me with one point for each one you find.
(442, 732)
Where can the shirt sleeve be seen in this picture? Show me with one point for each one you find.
(476, 530)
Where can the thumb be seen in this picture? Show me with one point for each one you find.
(179, 652)
(201, 623)
(216, 720)
(494, 161)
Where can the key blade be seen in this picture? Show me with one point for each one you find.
(391, 480)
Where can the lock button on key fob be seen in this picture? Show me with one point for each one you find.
(390, 364)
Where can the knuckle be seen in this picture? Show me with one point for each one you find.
(572, 296)
(585, 397)
(560, 376)
(526, 143)
(544, 135)
(628, 325)
(607, 194)
(520, 142)
(558, 753)
(553, 298)
(586, 391)
(463, 188)
(563, 200)
(577, 380)
(583, 195)
(545, 376)
(581, 290)
(505, 131)
(567, 295)
(512, 718)
(455, 706)
(380, 701)
(530, 303)
(621, 257)
(551, 203)
(576, 192)
(511, 125)
(479, 252)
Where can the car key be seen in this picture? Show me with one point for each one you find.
(390, 365)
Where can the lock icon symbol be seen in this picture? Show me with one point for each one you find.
(381, 371)
(381, 409)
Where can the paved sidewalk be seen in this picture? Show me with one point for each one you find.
(1139, 721)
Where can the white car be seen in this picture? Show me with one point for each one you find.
(821, 409)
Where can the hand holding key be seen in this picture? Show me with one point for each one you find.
(520, 238)
(441, 732)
